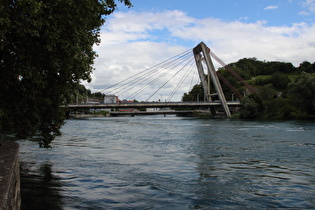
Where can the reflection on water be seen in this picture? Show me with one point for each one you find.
(171, 163)
(40, 189)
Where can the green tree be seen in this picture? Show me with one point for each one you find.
(307, 67)
(281, 67)
(46, 48)
(279, 80)
(247, 66)
(252, 106)
(302, 93)
(195, 94)
(267, 104)
(271, 103)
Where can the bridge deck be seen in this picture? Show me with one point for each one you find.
(152, 113)
(152, 105)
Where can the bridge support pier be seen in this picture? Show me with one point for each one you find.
(202, 53)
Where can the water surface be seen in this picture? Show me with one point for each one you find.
(157, 162)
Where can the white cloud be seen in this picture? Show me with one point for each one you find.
(309, 4)
(132, 42)
(310, 7)
(271, 7)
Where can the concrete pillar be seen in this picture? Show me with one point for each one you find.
(202, 48)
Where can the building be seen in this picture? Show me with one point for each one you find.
(110, 99)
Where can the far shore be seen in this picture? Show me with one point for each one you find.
(77, 116)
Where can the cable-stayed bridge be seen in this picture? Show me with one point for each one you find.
(159, 82)
(186, 69)
(169, 108)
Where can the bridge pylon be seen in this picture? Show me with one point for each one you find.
(202, 53)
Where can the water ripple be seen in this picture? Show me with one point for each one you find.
(173, 163)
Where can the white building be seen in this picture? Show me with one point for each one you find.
(110, 99)
(152, 109)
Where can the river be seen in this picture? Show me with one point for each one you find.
(157, 162)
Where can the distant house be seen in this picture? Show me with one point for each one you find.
(152, 109)
(125, 101)
(110, 99)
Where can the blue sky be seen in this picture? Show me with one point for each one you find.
(275, 12)
(154, 30)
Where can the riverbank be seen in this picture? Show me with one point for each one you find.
(79, 116)
(9, 176)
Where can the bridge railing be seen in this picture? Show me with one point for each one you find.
(152, 105)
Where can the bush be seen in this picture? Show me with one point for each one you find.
(252, 107)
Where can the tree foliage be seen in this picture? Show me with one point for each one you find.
(252, 106)
(195, 94)
(302, 93)
(284, 91)
(297, 100)
(278, 80)
(307, 67)
(46, 48)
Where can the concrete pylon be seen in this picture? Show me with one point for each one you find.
(202, 53)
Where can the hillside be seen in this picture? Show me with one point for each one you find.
(283, 91)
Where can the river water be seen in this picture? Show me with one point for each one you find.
(156, 162)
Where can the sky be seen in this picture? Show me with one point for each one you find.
(134, 39)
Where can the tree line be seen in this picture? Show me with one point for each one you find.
(283, 90)
(80, 94)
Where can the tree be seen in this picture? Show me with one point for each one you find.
(302, 93)
(252, 107)
(195, 94)
(307, 67)
(279, 80)
(46, 48)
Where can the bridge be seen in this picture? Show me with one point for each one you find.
(192, 105)
(164, 108)
(214, 99)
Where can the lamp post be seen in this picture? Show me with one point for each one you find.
(233, 96)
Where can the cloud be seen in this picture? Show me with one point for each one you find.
(310, 7)
(134, 41)
(271, 7)
(309, 4)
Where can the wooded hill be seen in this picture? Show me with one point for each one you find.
(283, 90)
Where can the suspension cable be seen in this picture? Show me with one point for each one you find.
(153, 80)
(155, 76)
(184, 77)
(167, 81)
(153, 67)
